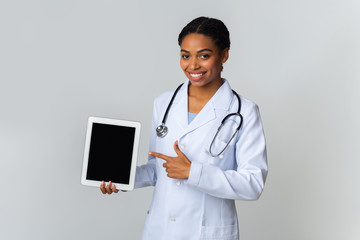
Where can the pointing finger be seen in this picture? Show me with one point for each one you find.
(159, 155)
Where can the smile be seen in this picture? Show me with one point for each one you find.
(196, 75)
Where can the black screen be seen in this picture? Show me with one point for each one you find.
(110, 153)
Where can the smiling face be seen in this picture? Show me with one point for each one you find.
(201, 60)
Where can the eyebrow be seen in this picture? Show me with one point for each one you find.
(200, 51)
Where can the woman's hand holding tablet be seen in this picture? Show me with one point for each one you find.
(109, 188)
(110, 142)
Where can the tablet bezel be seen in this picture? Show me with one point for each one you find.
(116, 122)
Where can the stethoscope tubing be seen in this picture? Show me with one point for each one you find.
(162, 130)
(170, 104)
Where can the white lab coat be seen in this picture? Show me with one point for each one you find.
(203, 206)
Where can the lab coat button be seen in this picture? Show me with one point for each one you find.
(178, 183)
(182, 146)
(221, 156)
(173, 219)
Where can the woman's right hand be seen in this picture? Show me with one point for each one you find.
(108, 189)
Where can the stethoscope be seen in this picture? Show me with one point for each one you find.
(162, 130)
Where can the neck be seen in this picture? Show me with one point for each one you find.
(205, 92)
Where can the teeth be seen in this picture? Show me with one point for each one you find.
(196, 75)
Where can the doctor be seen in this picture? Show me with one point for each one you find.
(197, 170)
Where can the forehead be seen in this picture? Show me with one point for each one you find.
(196, 42)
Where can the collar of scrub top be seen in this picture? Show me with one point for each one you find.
(162, 130)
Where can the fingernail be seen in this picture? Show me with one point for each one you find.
(150, 153)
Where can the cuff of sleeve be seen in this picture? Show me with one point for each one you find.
(195, 173)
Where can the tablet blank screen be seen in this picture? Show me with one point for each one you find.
(110, 154)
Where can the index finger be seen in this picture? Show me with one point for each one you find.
(159, 155)
(102, 187)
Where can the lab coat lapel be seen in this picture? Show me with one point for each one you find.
(206, 115)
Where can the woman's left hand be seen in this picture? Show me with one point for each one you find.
(176, 167)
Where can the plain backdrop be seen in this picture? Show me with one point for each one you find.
(63, 61)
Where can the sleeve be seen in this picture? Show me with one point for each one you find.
(146, 174)
(247, 181)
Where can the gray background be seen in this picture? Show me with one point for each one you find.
(62, 61)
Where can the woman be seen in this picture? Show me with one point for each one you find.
(197, 172)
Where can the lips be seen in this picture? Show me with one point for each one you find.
(195, 76)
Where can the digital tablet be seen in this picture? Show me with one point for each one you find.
(111, 148)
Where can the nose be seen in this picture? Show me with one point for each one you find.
(193, 65)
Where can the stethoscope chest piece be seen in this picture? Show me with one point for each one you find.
(161, 130)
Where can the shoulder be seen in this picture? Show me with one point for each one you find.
(251, 114)
(162, 101)
(249, 109)
(165, 96)
(247, 105)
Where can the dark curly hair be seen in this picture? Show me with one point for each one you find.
(210, 27)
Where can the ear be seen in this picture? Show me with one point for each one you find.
(225, 55)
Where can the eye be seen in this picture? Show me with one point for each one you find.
(204, 56)
(185, 56)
